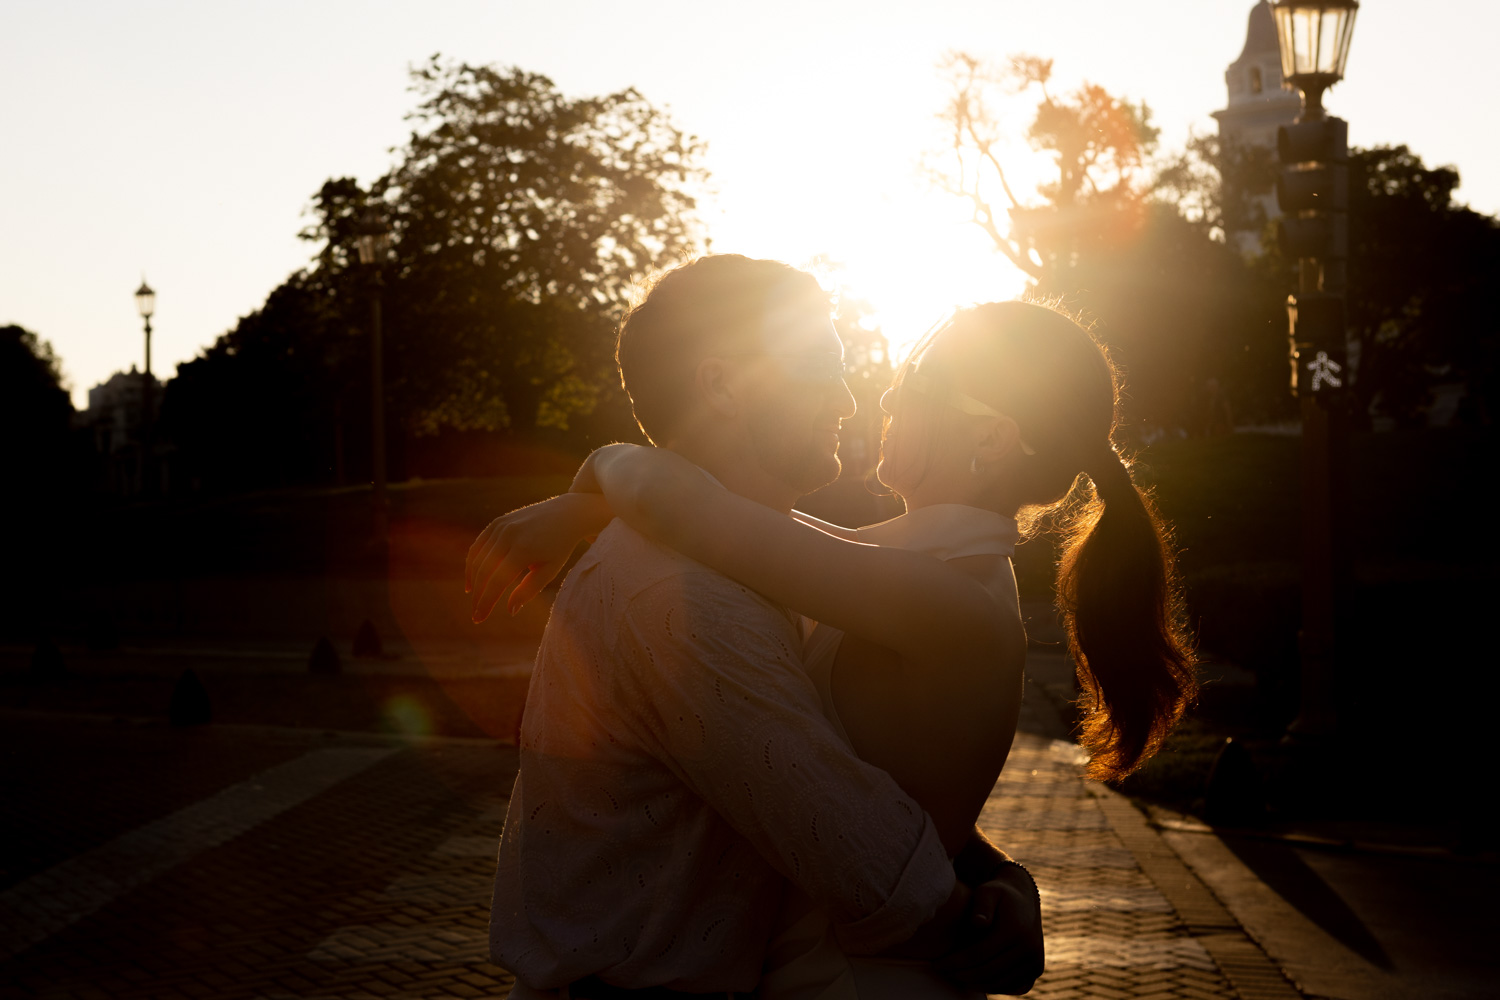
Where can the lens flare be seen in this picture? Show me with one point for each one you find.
(407, 716)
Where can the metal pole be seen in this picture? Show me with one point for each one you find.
(377, 416)
(148, 485)
(1322, 440)
(1325, 563)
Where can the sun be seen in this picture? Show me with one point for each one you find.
(911, 254)
(918, 264)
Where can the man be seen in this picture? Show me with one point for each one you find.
(675, 764)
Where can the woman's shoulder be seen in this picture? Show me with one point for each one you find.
(947, 531)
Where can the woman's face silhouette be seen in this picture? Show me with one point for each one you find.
(926, 447)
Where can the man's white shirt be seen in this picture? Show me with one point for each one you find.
(675, 766)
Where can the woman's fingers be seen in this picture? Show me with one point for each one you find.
(494, 584)
(537, 577)
(476, 551)
(496, 568)
(482, 561)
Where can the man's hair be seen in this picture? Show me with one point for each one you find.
(715, 304)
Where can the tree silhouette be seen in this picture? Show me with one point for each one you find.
(1421, 284)
(520, 219)
(1131, 244)
(34, 411)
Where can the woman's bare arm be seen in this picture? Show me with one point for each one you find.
(906, 601)
(836, 530)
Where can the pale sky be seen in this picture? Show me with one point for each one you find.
(184, 141)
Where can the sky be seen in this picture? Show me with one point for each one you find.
(182, 142)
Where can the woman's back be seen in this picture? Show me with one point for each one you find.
(943, 734)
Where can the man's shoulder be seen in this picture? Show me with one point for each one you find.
(634, 561)
(643, 573)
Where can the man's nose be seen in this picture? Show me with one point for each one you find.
(847, 406)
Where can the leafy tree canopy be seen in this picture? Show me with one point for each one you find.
(1421, 282)
(1098, 143)
(520, 220)
(1130, 243)
(29, 366)
(35, 408)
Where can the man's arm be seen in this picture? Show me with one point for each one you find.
(710, 679)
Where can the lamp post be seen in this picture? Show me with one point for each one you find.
(145, 303)
(1313, 192)
(373, 240)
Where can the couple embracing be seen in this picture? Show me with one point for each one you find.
(755, 744)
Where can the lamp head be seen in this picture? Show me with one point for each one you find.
(371, 236)
(1314, 37)
(145, 300)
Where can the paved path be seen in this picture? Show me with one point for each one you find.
(271, 862)
(1124, 917)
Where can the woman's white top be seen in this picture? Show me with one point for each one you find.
(945, 530)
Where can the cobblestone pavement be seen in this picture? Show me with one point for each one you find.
(263, 862)
(1123, 916)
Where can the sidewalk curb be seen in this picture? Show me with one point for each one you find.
(1168, 822)
(1240, 959)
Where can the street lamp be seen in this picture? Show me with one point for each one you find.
(373, 240)
(1314, 38)
(1313, 193)
(145, 303)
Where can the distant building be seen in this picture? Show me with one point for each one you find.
(1259, 103)
(115, 420)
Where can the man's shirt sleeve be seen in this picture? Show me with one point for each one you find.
(709, 676)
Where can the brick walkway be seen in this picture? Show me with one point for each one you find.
(339, 865)
(1123, 916)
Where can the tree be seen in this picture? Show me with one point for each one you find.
(34, 408)
(1133, 246)
(1421, 284)
(261, 406)
(1098, 144)
(1218, 184)
(522, 218)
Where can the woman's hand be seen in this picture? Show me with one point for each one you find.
(531, 545)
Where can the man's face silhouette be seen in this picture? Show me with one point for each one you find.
(797, 398)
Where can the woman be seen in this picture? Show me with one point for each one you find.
(1000, 411)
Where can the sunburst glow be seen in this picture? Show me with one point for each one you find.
(876, 218)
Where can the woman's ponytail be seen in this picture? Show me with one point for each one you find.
(1120, 602)
(1122, 611)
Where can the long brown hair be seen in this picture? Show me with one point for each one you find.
(1116, 584)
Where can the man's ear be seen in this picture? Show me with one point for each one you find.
(1001, 437)
(716, 388)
